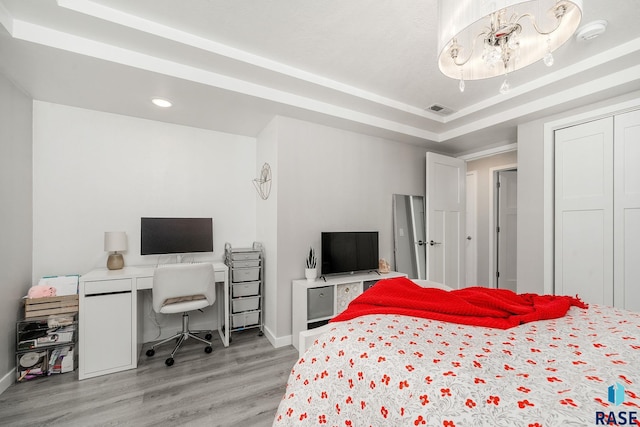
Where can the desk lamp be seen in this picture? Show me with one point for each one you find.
(115, 241)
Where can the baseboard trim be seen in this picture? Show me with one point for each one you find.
(7, 380)
(276, 342)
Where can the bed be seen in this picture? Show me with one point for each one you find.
(580, 369)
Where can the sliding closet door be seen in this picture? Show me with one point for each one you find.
(584, 211)
(627, 211)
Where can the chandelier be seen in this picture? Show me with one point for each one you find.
(478, 39)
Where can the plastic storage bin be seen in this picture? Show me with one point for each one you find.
(244, 320)
(245, 304)
(250, 274)
(246, 289)
(319, 302)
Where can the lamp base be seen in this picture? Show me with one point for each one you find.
(115, 261)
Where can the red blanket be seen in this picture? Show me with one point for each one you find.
(477, 306)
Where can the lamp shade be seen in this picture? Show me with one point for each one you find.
(115, 241)
(464, 25)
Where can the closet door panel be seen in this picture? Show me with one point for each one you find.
(584, 211)
(627, 211)
(583, 269)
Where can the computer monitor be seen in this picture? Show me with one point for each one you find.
(175, 235)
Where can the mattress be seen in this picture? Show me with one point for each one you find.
(394, 370)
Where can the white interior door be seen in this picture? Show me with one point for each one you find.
(506, 229)
(445, 210)
(626, 232)
(584, 211)
(471, 242)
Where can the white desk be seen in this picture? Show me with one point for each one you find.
(110, 317)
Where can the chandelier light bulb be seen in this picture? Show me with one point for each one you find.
(548, 59)
(506, 87)
(461, 84)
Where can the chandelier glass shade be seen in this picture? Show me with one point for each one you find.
(479, 39)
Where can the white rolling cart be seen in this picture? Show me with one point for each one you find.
(246, 277)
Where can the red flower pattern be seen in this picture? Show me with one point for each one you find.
(520, 367)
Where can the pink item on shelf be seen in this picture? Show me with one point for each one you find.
(41, 291)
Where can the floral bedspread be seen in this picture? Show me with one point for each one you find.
(393, 370)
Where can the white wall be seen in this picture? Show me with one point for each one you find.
(15, 218)
(95, 172)
(334, 180)
(531, 249)
(267, 229)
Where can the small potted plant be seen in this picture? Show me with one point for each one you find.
(310, 271)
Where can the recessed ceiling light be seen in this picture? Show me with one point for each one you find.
(161, 102)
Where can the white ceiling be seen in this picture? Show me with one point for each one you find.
(363, 65)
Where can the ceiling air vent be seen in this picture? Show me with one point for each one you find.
(440, 109)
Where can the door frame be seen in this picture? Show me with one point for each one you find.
(473, 233)
(493, 208)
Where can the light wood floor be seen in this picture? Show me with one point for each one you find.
(240, 385)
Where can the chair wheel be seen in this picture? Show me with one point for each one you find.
(208, 337)
(169, 361)
(208, 349)
(151, 352)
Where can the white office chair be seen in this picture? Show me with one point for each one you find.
(179, 288)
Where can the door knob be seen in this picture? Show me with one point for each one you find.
(432, 243)
(468, 237)
(420, 243)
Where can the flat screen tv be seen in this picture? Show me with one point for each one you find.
(175, 235)
(349, 252)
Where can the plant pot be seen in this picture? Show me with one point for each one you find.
(311, 274)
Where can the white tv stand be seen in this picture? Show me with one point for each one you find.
(315, 302)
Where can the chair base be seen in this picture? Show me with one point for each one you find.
(181, 337)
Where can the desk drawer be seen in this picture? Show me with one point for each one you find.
(220, 276)
(107, 286)
(144, 283)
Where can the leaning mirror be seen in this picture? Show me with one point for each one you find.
(409, 235)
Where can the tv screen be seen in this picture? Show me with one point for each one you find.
(175, 235)
(349, 252)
